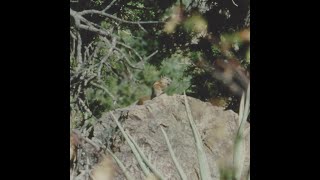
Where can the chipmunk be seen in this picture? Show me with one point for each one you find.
(219, 101)
(157, 89)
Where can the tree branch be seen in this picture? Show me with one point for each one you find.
(234, 3)
(106, 57)
(90, 27)
(109, 6)
(134, 51)
(154, 53)
(79, 44)
(126, 59)
(106, 90)
(92, 11)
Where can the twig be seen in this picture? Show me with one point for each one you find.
(143, 29)
(94, 54)
(134, 51)
(109, 6)
(78, 18)
(129, 63)
(92, 11)
(105, 89)
(77, 91)
(86, 108)
(89, 23)
(234, 3)
(127, 59)
(89, 141)
(92, 143)
(93, 29)
(87, 51)
(106, 57)
(72, 35)
(89, 79)
(82, 71)
(79, 44)
(154, 53)
(73, 49)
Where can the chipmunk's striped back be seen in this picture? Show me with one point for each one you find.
(157, 89)
(159, 86)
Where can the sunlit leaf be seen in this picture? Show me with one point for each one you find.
(196, 23)
(175, 19)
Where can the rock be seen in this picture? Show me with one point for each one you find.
(217, 128)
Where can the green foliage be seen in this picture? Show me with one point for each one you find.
(116, 69)
(128, 75)
(127, 91)
(204, 83)
(174, 68)
(196, 23)
(216, 50)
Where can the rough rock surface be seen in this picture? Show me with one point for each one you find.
(216, 126)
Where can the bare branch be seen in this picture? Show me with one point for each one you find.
(86, 81)
(87, 55)
(105, 89)
(128, 71)
(234, 3)
(143, 29)
(134, 51)
(79, 44)
(79, 17)
(76, 74)
(154, 53)
(73, 48)
(92, 11)
(97, 147)
(93, 29)
(72, 35)
(90, 26)
(127, 59)
(94, 54)
(109, 6)
(75, 16)
(85, 107)
(106, 57)
(77, 91)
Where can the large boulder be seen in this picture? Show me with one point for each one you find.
(216, 126)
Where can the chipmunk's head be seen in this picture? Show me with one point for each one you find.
(165, 80)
